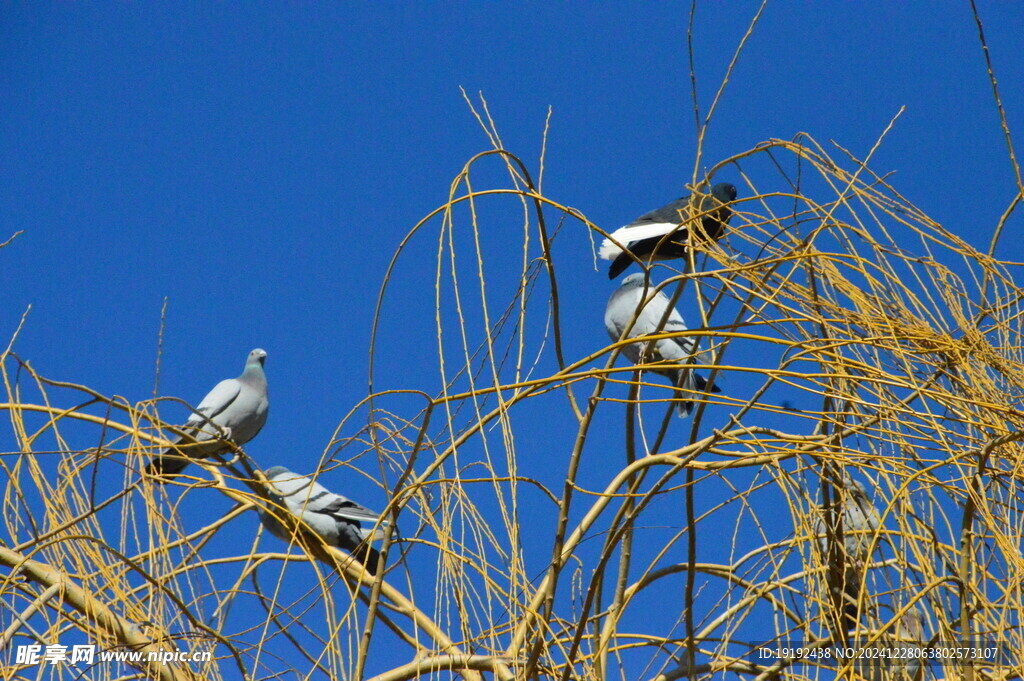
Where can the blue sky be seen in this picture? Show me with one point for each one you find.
(258, 165)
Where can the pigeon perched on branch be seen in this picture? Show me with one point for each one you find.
(895, 657)
(234, 410)
(643, 236)
(340, 522)
(860, 522)
(622, 307)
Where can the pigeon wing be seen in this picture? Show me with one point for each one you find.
(346, 509)
(216, 401)
(349, 512)
(653, 225)
(631, 234)
(621, 307)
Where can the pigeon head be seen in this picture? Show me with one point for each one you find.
(913, 621)
(724, 192)
(634, 280)
(275, 471)
(283, 482)
(257, 356)
(855, 488)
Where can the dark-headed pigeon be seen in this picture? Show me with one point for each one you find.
(643, 236)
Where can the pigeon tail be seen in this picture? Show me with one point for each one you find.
(167, 464)
(368, 556)
(618, 266)
(686, 385)
(691, 383)
(851, 593)
(701, 384)
(173, 460)
(684, 409)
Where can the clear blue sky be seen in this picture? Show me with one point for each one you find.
(258, 165)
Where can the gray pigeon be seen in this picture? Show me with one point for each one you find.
(911, 633)
(622, 306)
(891, 659)
(642, 236)
(238, 406)
(340, 522)
(860, 522)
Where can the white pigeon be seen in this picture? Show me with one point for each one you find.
(340, 522)
(236, 407)
(622, 306)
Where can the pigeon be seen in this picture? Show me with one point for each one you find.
(911, 634)
(643, 236)
(860, 522)
(340, 522)
(896, 656)
(235, 410)
(622, 307)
